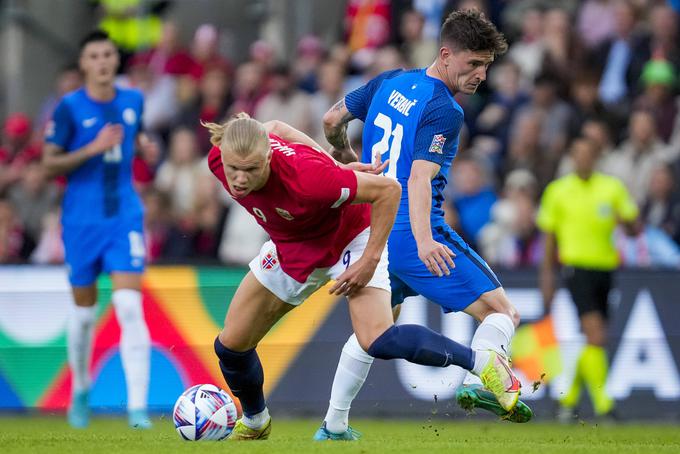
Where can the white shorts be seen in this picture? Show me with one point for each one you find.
(268, 272)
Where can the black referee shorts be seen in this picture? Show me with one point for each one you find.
(589, 289)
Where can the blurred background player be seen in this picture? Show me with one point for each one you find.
(91, 140)
(578, 214)
(412, 119)
(335, 235)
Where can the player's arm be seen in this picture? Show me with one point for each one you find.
(335, 129)
(547, 220)
(290, 134)
(436, 256)
(383, 194)
(57, 162)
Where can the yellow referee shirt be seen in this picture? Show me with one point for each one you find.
(583, 214)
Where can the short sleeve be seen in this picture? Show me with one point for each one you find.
(359, 100)
(60, 128)
(328, 184)
(437, 136)
(624, 205)
(547, 211)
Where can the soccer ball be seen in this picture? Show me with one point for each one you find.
(204, 412)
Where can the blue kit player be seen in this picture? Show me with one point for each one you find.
(412, 119)
(91, 139)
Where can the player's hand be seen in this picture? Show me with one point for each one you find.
(437, 257)
(354, 278)
(374, 169)
(107, 137)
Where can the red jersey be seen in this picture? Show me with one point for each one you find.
(305, 206)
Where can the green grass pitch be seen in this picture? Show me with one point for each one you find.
(31, 434)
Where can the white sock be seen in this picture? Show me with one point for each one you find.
(494, 333)
(350, 375)
(135, 346)
(257, 422)
(79, 345)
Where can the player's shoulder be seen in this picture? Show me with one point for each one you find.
(74, 98)
(443, 102)
(128, 95)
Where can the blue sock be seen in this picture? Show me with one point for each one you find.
(421, 345)
(243, 373)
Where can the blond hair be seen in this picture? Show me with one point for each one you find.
(241, 135)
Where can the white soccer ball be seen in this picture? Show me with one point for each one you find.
(204, 412)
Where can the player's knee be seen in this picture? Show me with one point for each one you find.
(233, 342)
(128, 306)
(367, 337)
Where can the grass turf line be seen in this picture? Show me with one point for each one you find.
(29, 434)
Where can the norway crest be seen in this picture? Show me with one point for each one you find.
(269, 261)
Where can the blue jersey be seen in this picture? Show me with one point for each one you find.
(101, 188)
(409, 115)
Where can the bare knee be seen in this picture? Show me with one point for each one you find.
(234, 342)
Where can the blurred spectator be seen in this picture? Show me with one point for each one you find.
(420, 50)
(616, 55)
(12, 241)
(471, 194)
(595, 22)
(367, 24)
(16, 149)
(635, 160)
(160, 93)
(585, 103)
(286, 102)
(597, 130)
(168, 57)
(248, 88)
(211, 105)
(179, 174)
(133, 25)
(662, 207)
(242, 236)
(309, 56)
(662, 41)
(527, 52)
(34, 197)
(68, 80)
(50, 247)
(507, 97)
(563, 50)
(659, 80)
(331, 78)
(652, 247)
(263, 54)
(157, 223)
(525, 150)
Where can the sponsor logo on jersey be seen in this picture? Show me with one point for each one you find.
(269, 261)
(285, 214)
(401, 103)
(437, 145)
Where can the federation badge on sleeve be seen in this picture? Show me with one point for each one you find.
(269, 261)
(437, 145)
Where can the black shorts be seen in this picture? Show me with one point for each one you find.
(589, 289)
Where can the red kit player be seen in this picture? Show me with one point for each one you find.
(326, 221)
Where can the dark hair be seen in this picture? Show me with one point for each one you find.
(92, 37)
(471, 30)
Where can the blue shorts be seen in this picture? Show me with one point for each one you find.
(409, 276)
(113, 246)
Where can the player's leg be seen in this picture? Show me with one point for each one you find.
(123, 258)
(83, 248)
(252, 312)
(135, 344)
(592, 363)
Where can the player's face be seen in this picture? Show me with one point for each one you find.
(245, 174)
(465, 70)
(99, 62)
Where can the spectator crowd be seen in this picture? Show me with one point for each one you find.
(602, 69)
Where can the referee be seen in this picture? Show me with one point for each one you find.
(578, 214)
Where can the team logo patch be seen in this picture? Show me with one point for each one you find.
(129, 116)
(269, 261)
(437, 145)
(285, 214)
